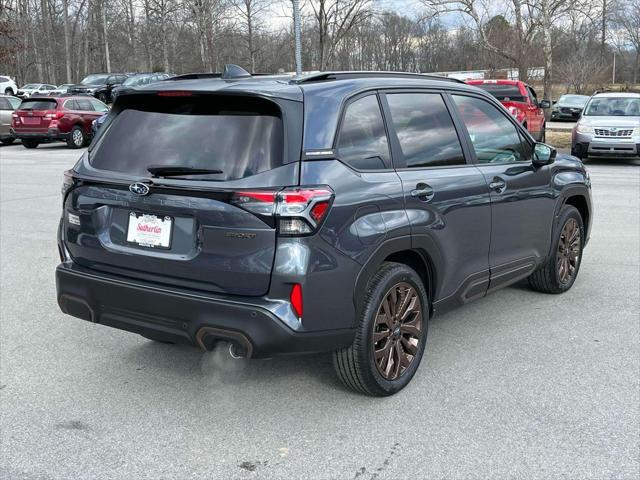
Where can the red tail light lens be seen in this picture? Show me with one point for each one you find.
(296, 299)
(54, 115)
(298, 210)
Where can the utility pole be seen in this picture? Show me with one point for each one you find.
(614, 69)
(298, 40)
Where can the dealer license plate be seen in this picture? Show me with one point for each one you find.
(149, 230)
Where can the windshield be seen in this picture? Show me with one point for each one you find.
(573, 100)
(504, 93)
(95, 79)
(613, 106)
(239, 137)
(31, 86)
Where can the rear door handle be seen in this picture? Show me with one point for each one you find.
(498, 185)
(423, 192)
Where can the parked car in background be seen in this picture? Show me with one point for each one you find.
(522, 102)
(98, 85)
(8, 85)
(609, 127)
(97, 123)
(31, 89)
(52, 119)
(569, 107)
(138, 80)
(61, 89)
(7, 105)
(333, 212)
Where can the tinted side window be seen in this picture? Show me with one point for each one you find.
(71, 105)
(363, 141)
(84, 104)
(495, 139)
(3, 79)
(425, 130)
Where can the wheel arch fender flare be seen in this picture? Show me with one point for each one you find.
(576, 197)
(399, 250)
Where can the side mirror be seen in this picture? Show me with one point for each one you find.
(544, 104)
(543, 154)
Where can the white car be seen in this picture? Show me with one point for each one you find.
(61, 89)
(608, 128)
(35, 89)
(8, 85)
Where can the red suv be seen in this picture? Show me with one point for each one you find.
(521, 101)
(50, 119)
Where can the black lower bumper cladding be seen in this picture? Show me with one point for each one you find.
(178, 316)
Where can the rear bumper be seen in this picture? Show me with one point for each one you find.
(184, 317)
(51, 135)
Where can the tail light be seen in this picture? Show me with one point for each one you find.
(298, 210)
(15, 118)
(54, 115)
(68, 183)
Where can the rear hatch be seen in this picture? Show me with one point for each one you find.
(178, 189)
(35, 115)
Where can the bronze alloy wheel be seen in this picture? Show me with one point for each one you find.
(568, 253)
(397, 331)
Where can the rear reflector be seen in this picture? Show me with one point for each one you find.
(296, 299)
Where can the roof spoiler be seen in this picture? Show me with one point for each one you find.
(230, 72)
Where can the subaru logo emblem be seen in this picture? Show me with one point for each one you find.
(139, 188)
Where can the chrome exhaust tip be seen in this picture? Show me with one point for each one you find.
(237, 351)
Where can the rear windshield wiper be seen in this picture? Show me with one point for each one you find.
(169, 171)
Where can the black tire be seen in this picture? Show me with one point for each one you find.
(548, 278)
(8, 141)
(30, 144)
(355, 365)
(77, 138)
(8, 91)
(102, 97)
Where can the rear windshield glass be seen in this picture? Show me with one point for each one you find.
(238, 137)
(504, 93)
(38, 105)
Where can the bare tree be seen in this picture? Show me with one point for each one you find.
(334, 19)
(628, 21)
(524, 25)
(251, 21)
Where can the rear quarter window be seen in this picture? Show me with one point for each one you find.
(239, 136)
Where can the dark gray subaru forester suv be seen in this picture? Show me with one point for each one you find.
(333, 212)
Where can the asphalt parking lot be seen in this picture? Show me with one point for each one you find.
(516, 385)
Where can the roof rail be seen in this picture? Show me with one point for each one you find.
(347, 75)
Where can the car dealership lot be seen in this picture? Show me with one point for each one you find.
(518, 385)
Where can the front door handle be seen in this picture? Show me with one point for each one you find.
(498, 185)
(423, 192)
